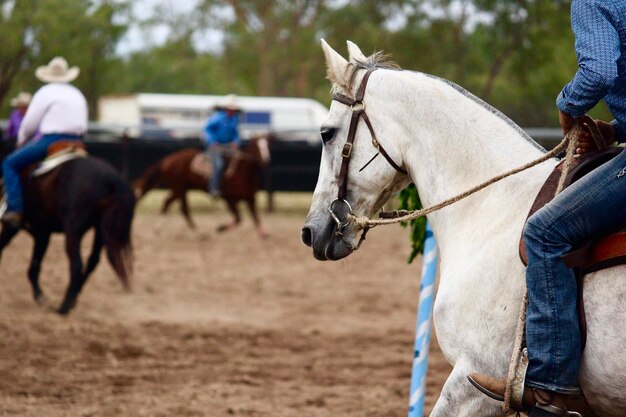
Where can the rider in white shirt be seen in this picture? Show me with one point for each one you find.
(58, 111)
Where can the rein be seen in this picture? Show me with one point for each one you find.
(399, 216)
(568, 143)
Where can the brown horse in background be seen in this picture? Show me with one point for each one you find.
(241, 180)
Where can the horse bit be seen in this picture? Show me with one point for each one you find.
(358, 111)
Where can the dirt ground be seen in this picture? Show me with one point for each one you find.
(216, 325)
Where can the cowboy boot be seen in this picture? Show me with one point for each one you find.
(540, 403)
(12, 219)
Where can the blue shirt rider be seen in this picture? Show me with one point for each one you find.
(592, 206)
(222, 136)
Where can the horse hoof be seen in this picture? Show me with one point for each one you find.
(66, 307)
(63, 310)
(40, 299)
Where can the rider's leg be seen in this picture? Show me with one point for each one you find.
(14, 164)
(218, 169)
(593, 205)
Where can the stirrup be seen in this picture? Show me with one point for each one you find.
(558, 411)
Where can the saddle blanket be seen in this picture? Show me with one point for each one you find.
(58, 158)
(201, 165)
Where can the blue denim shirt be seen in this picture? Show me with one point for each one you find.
(600, 30)
(222, 128)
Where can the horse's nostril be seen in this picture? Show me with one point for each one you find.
(307, 236)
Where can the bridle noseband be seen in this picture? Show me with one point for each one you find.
(358, 111)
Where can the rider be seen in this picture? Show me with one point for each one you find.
(222, 136)
(20, 102)
(592, 206)
(58, 111)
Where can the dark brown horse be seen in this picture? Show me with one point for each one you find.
(77, 196)
(240, 182)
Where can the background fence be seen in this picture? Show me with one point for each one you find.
(294, 164)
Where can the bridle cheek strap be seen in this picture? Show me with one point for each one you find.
(358, 112)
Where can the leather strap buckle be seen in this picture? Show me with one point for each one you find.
(347, 150)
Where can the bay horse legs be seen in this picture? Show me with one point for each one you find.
(77, 278)
(168, 202)
(94, 258)
(78, 275)
(7, 234)
(251, 203)
(39, 250)
(184, 207)
(232, 206)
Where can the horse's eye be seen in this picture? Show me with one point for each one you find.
(327, 133)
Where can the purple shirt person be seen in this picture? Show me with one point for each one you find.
(20, 103)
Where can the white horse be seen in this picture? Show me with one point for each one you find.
(448, 140)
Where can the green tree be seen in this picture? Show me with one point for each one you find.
(175, 67)
(85, 32)
(267, 43)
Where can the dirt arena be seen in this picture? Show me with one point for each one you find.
(216, 325)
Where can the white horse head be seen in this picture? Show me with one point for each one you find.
(448, 141)
(369, 185)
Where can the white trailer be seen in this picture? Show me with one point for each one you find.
(184, 116)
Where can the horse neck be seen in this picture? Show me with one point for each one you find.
(452, 142)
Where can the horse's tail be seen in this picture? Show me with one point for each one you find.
(115, 225)
(148, 180)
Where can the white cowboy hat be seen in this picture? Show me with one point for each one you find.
(57, 71)
(22, 99)
(229, 103)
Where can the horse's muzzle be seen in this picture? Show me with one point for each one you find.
(324, 240)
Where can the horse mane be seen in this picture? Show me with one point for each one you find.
(378, 60)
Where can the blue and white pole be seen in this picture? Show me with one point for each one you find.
(422, 336)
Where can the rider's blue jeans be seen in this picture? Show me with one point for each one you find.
(593, 205)
(217, 158)
(19, 159)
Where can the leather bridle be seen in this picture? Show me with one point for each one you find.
(358, 112)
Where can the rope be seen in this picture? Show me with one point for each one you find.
(406, 216)
(515, 386)
(519, 360)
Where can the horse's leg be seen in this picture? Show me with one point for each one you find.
(232, 206)
(94, 257)
(168, 202)
(39, 250)
(72, 248)
(251, 203)
(459, 398)
(184, 208)
(7, 234)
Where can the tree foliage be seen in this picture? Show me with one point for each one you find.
(32, 32)
(515, 54)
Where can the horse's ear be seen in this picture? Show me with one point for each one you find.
(336, 65)
(355, 53)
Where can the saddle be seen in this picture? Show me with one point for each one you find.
(59, 153)
(597, 253)
(201, 165)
